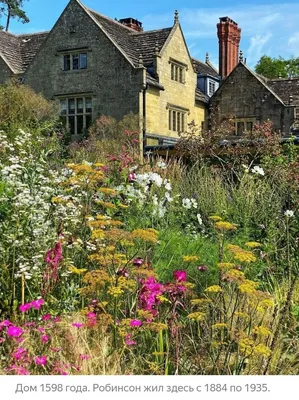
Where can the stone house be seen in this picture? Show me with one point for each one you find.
(245, 97)
(93, 65)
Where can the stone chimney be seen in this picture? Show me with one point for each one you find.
(229, 35)
(132, 23)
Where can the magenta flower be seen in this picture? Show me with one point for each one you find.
(19, 370)
(84, 356)
(5, 323)
(37, 303)
(135, 322)
(138, 261)
(41, 360)
(45, 338)
(77, 325)
(131, 177)
(180, 275)
(129, 341)
(19, 353)
(46, 317)
(14, 331)
(25, 307)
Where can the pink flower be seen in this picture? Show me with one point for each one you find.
(19, 353)
(5, 323)
(180, 275)
(45, 338)
(129, 341)
(37, 303)
(131, 177)
(25, 307)
(77, 325)
(202, 268)
(41, 360)
(135, 322)
(84, 356)
(14, 331)
(138, 261)
(19, 370)
(46, 317)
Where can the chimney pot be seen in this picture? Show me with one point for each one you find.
(132, 23)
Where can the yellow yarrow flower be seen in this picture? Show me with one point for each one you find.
(244, 256)
(190, 258)
(197, 302)
(147, 235)
(220, 325)
(261, 331)
(213, 289)
(225, 226)
(77, 271)
(215, 218)
(226, 265)
(196, 316)
(108, 191)
(106, 204)
(262, 350)
(253, 245)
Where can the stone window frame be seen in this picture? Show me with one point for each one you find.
(296, 112)
(80, 54)
(246, 122)
(73, 110)
(178, 71)
(177, 118)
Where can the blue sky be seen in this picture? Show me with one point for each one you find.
(268, 26)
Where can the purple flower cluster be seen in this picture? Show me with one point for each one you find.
(149, 295)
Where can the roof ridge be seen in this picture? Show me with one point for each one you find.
(9, 33)
(110, 19)
(150, 31)
(32, 34)
(282, 79)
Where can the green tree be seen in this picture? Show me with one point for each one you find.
(13, 9)
(272, 67)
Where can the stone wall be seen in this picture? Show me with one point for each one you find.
(111, 79)
(175, 93)
(6, 73)
(243, 96)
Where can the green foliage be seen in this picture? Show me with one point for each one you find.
(22, 108)
(272, 67)
(13, 9)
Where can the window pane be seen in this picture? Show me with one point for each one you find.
(63, 107)
(67, 63)
(83, 61)
(79, 124)
(240, 128)
(183, 122)
(249, 126)
(88, 121)
(173, 120)
(176, 73)
(75, 61)
(72, 125)
(169, 120)
(71, 106)
(181, 75)
(88, 105)
(172, 71)
(80, 105)
(179, 122)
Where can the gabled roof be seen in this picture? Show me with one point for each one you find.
(134, 44)
(286, 89)
(205, 68)
(19, 50)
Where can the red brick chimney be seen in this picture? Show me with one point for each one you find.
(132, 23)
(229, 35)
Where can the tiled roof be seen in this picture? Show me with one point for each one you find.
(10, 48)
(133, 43)
(30, 45)
(19, 50)
(286, 88)
(204, 68)
(200, 96)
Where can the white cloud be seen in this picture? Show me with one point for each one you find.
(256, 48)
(293, 44)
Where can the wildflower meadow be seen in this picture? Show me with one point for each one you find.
(163, 266)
